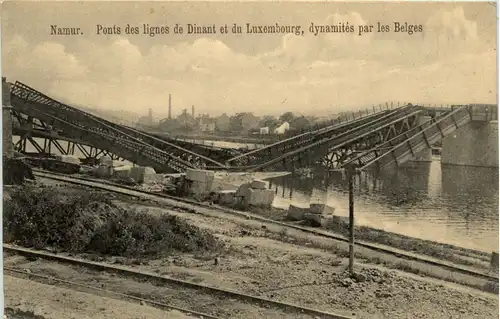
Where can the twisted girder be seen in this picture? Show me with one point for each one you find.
(92, 123)
(269, 152)
(361, 137)
(406, 145)
(199, 155)
(140, 153)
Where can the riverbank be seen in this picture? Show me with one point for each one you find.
(340, 225)
(284, 265)
(289, 265)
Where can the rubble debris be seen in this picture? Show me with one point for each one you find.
(297, 212)
(321, 209)
(103, 171)
(143, 174)
(259, 184)
(199, 182)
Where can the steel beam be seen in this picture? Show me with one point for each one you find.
(271, 151)
(359, 138)
(414, 141)
(28, 99)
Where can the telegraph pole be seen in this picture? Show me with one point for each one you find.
(350, 176)
(350, 172)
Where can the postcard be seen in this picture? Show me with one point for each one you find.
(254, 159)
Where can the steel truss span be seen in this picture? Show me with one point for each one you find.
(385, 137)
(124, 142)
(267, 153)
(333, 151)
(408, 144)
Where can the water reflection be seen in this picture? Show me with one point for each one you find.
(451, 204)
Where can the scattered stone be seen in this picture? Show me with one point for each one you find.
(313, 219)
(296, 212)
(347, 282)
(259, 184)
(258, 197)
(359, 277)
(226, 197)
(321, 209)
(382, 294)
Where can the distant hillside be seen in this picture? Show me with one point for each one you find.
(118, 116)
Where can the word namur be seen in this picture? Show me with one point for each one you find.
(57, 30)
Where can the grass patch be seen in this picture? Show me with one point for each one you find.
(85, 221)
(12, 313)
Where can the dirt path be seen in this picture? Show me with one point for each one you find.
(315, 277)
(183, 297)
(52, 302)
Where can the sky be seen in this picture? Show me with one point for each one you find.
(453, 60)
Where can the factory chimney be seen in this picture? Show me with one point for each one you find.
(170, 106)
(192, 110)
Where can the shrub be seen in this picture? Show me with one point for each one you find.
(84, 221)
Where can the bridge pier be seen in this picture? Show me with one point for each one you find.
(425, 155)
(8, 148)
(475, 144)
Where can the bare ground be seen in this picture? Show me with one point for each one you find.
(309, 271)
(185, 298)
(29, 299)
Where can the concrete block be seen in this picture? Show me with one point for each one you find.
(259, 184)
(141, 173)
(122, 172)
(68, 159)
(199, 175)
(297, 212)
(321, 209)
(120, 164)
(226, 197)
(104, 171)
(315, 219)
(219, 184)
(199, 188)
(106, 160)
(259, 197)
(243, 190)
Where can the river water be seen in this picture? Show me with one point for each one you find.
(450, 204)
(223, 144)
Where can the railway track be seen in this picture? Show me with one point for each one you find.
(185, 203)
(208, 296)
(99, 291)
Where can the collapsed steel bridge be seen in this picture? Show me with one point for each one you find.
(380, 139)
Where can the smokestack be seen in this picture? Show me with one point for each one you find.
(170, 106)
(192, 110)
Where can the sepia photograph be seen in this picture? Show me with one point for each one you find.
(246, 160)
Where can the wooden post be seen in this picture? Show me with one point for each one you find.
(350, 176)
